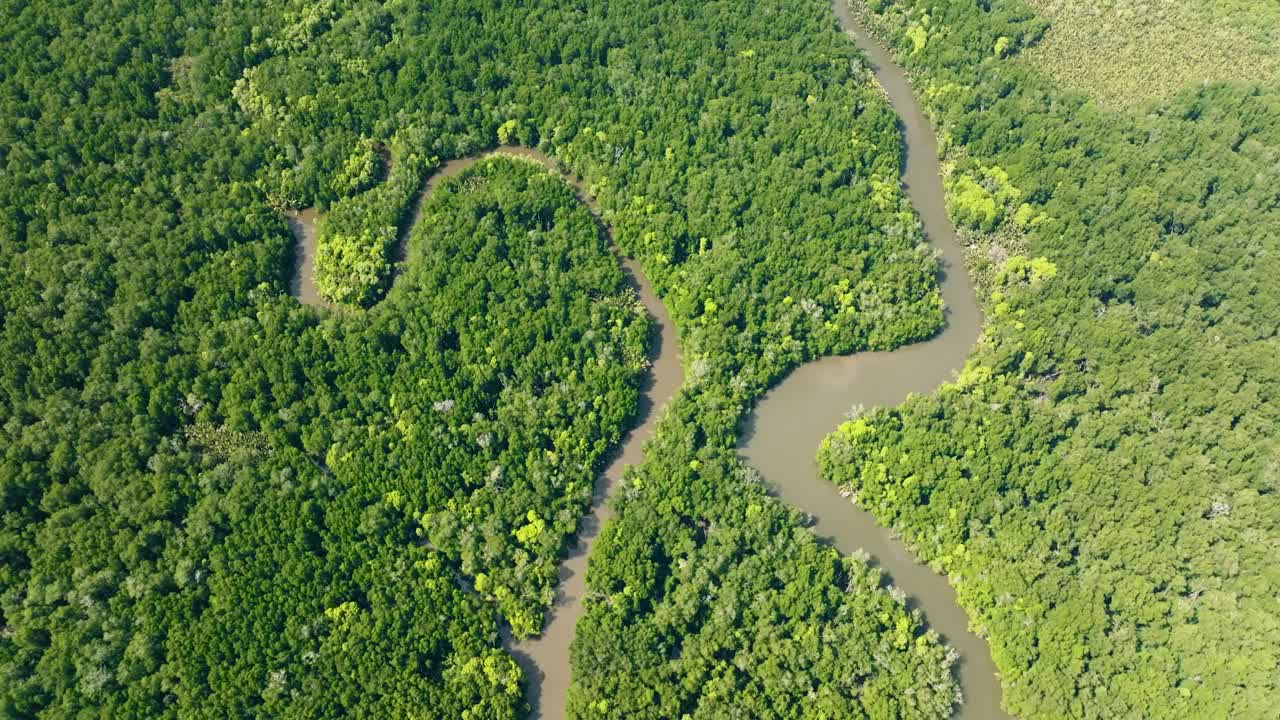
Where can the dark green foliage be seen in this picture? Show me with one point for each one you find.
(711, 601)
(740, 153)
(227, 570)
(1101, 481)
(288, 599)
(516, 351)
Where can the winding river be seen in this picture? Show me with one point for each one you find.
(545, 659)
(782, 435)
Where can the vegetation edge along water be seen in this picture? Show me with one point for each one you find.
(787, 426)
(544, 659)
(1089, 480)
(280, 560)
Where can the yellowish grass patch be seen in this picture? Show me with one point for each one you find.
(1130, 52)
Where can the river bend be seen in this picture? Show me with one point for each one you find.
(783, 434)
(545, 659)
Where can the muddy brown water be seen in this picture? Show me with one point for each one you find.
(782, 436)
(545, 659)
(302, 285)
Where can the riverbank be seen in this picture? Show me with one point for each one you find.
(782, 435)
(545, 659)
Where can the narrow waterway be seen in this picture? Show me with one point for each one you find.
(782, 436)
(545, 659)
(302, 285)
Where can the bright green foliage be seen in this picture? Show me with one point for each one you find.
(1027, 216)
(971, 204)
(507, 130)
(147, 148)
(359, 172)
(979, 200)
(919, 37)
(1032, 271)
(351, 267)
(358, 235)
(530, 532)
(1101, 480)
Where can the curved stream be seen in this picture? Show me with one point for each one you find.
(545, 659)
(782, 436)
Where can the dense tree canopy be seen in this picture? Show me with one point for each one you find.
(1101, 480)
(360, 233)
(295, 544)
(217, 502)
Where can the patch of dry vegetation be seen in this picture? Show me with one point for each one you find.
(1126, 53)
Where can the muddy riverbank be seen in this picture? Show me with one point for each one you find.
(545, 659)
(782, 436)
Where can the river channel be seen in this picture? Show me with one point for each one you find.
(545, 659)
(782, 435)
